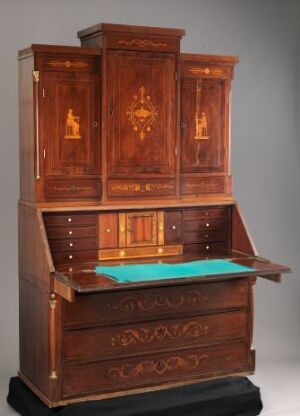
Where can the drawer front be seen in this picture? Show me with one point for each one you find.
(156, 369)
(147, 304)
(69, 220)
(115, 341)
(73, 244)
(221, 247)
(204, 213)
(70, 232)
(140, 188)
(195, 232)
(203, 185)
(173, 227)
(73, 257)
(72, 189)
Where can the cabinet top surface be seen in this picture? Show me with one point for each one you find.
(130, 29)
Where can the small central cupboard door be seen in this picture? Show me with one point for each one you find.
(141, 113)
(141, 229)
(71, 123)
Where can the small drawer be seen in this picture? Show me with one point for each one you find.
(70, 232)
(56, 189)
(155, 369)
(203, 213)
(221, 247)
(73, 257)
(196, 232)
(68, 220)
(116, 341)
(73, 244)
(148, 304)
(173, 227)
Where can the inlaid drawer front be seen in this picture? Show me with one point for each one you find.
(73, 244)
(73, 257)
(70, 232)
(204, 185)
(68, 220)
(72, 189)
(79, 64)
(143, 338)
(142, 43)
(143, 304)
(154, 369)
(149, 187)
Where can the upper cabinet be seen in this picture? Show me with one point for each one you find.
(204, 124)
(124, 117)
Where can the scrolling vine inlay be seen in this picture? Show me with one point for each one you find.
(142, 113)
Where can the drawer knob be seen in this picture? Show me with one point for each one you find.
(207, 247)
(160, 250)
(71, 244)
(70, 256)
(207, 224)
(206, 235)
(173, 227)
(108, 230)
(70, 232)
(69, 219)
(122, 253)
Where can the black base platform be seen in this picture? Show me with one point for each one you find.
(232, 396)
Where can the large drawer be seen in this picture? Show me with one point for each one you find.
(147, 304)
(122, 340)
(156, 369)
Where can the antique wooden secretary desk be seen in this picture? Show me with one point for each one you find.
(125, 162)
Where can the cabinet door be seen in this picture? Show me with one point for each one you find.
(141, 229)
(71, 123)
(203, 129)
(142, 115)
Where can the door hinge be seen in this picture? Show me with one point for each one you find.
(36, 76)
(44, 153)
(111, 110)
(175, 76)
(175, 151)
(43, 93)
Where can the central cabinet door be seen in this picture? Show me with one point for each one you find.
(141, 126)
(141, 229)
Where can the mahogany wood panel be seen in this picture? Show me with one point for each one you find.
(142, 304)
(153, 369)
(142, 113)
(143, 338)
(34, 335)
(108, 231)
(173, 227)
(241, 239)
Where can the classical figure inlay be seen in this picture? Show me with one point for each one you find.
(152, 333)
(142, 43)
(159, 366)
(142, 113)
(150, 303)
(72, 126)
(201, 123)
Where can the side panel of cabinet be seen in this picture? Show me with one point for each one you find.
(142, 113)
(70, 119)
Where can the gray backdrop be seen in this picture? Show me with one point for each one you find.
(265, 133)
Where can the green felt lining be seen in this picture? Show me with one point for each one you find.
(158, 271)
